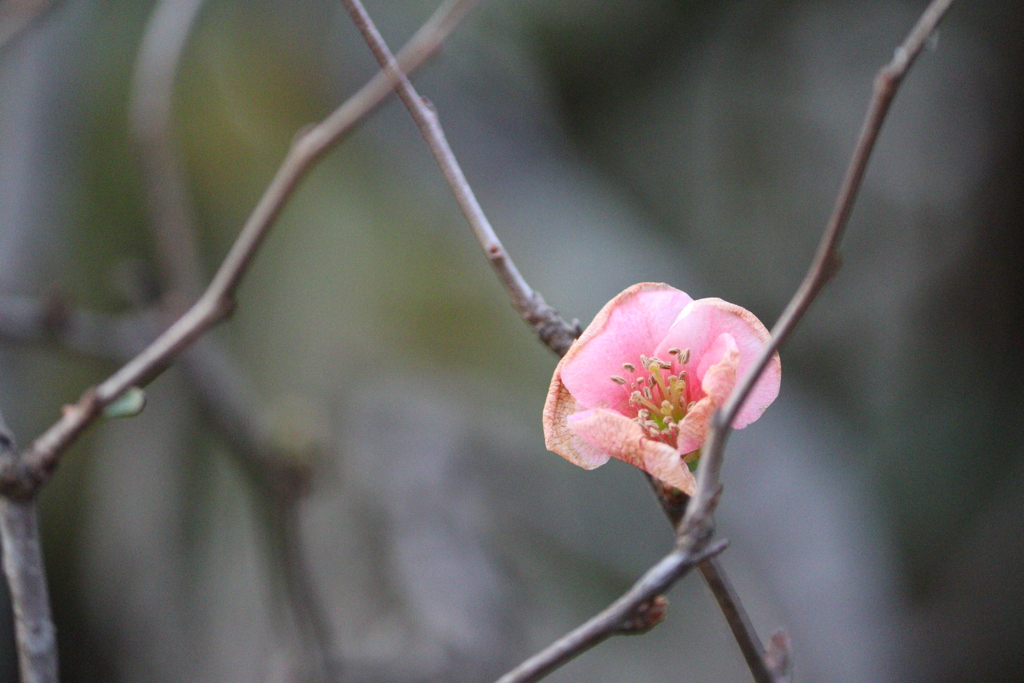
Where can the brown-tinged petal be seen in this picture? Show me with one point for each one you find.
(617, 435)
(558, 437)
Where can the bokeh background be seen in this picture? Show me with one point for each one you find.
(875, 511)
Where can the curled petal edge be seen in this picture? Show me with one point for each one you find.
(558, 437)
(620, 437)
(766, 390)
(717, 384)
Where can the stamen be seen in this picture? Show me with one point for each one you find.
(629, 367)
(676, 390)
(674, 351)
(642, 402)
(617, 379)
(656, 378)
(684, 357)
(666, 408)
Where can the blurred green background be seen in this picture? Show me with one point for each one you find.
(874, 511)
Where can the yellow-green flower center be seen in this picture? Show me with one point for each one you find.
(659, 394)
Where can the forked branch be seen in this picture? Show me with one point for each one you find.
(22, 477)
(618, 618)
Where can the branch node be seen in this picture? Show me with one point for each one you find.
(550, 327)
(777, 659)
(646, 616)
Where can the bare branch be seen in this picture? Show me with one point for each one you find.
(218, 383)
(224, 395)
(34, 632)
(824, 265)
(545, 321)
(52, 320)
(216, 303)
(736, 616)
(618, 618)
(673, 504)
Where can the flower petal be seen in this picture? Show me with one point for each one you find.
(622, 438)
(629, 325)
(699, 326)
(557, 435)
(717, 384)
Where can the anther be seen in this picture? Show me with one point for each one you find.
(617, 379)
(629, 367)
(684, 357)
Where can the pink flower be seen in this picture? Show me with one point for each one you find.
(644, 379)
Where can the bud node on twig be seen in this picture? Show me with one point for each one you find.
(646, 616)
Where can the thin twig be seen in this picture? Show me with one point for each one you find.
(549, 326)
(283, 481)
(617, 618)
(697, 524)
(51, 320)
(824, 265)
(16, 18)
(736, 616)
(219, 384)
(673, 504)
(223, 393)
(171, 215)
(23, 479)
(313, 624)
(34, 632)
